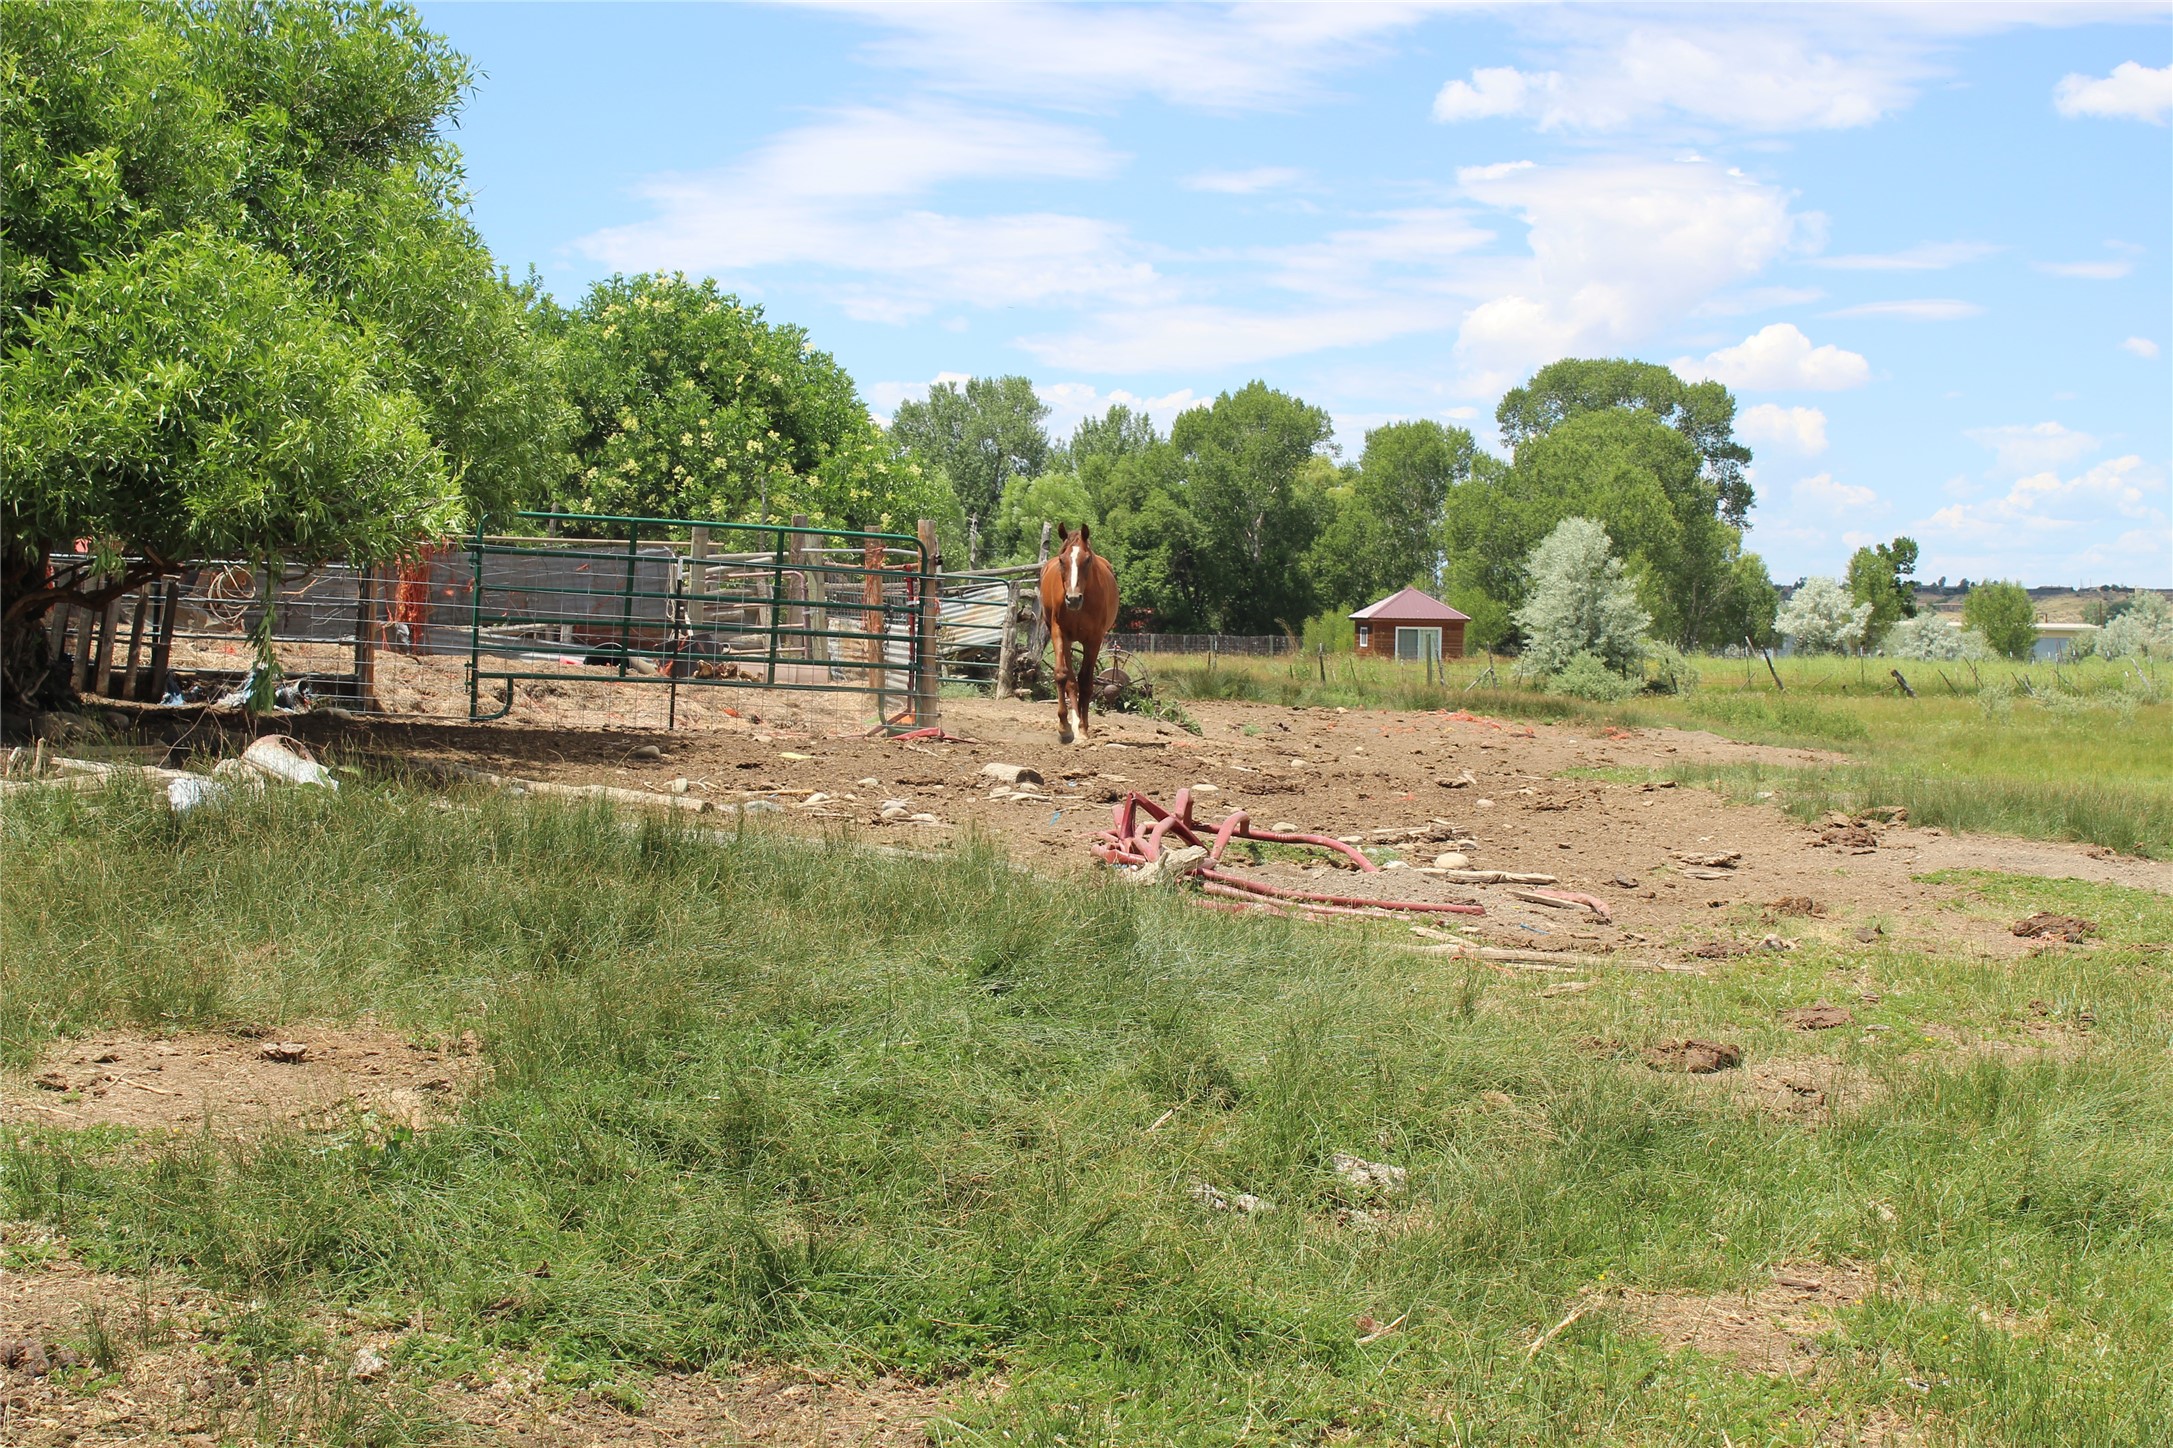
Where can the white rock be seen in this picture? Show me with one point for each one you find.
(367, 1365)
(1376, 1177)
(1452, 861)
(1012, 773)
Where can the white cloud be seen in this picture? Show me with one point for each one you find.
(1795, 429)
(2122, 488)
(1926, 309)
(1214, 58)
(1779, 358)
(1614, 252)
(1491, 92)
(2026, 449)
(1199, 337)
(2142, 347)
(2132, 92)
(884, 397)
(837, 195)
(1747, 76)
(1071, 402)
(2089, 271)
(1925, 256)
(1821, 491)
(1756, 299)
(1243, 183)
(1617, 250)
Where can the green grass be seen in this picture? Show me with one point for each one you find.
(2087, 756)
(754, 1099)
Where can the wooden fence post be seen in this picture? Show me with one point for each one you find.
(132, 669)
(1036, 638)
(162, 642)
(927, 706)
(366, 638)
(797, 586)
(1007, 647)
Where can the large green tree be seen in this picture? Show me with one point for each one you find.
(242, 308)
(1639, 479)
(1385, 530)
(692, 405)
(2003, 613)
(1243, 465)
(1703, 412)
(1883, 576)
(980, 436)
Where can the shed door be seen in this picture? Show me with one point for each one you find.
(1413, 644)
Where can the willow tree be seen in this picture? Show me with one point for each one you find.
(243, 312)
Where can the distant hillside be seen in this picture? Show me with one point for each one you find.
(2054, 605)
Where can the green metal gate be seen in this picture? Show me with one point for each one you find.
(677, 603)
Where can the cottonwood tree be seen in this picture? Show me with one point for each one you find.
(1641, 480)
(1702, 412)
(1882, 576)
(1580, 605)
(980, 436)
(1822, 618)
(2003, 613)
(1385, 530)
(242, 308)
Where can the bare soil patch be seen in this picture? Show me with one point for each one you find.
(235, 1085)
(1772, 1328)
(1810, 1090)
(1432, 776)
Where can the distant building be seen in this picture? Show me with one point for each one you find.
(1410, 625)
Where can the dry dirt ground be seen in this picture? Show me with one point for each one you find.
(1507, 787)
(232, 1085)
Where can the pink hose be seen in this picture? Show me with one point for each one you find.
(1125, 843)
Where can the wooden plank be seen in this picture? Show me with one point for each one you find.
(131, 675)
(928, 703)
(1007, 651)
(796, 585)
(162, 643)
(366, 639)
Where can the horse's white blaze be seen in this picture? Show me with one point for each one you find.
(1073, 559)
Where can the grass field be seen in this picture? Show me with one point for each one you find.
(2085, 754)
(756, 1100)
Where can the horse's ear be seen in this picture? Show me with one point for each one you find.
(1063, 533)
(1082, 532)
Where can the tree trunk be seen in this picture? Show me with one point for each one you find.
(29, 682)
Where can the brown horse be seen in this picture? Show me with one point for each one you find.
(1079, 602)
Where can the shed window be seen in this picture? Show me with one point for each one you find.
(1365, 635)
(1414, 644)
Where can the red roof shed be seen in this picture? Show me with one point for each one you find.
(1410, 625)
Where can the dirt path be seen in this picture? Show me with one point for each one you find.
(1499, 784)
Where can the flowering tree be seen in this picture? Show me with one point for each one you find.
(1930, 638)
(694, 406)
(2144, 631)
(1822, 618)
(1579, 605)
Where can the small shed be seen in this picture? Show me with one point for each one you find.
(1410, 625)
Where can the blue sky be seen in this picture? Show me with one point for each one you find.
(1930, 249)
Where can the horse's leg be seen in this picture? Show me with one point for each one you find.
(1063, 679)
(1089, 648)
